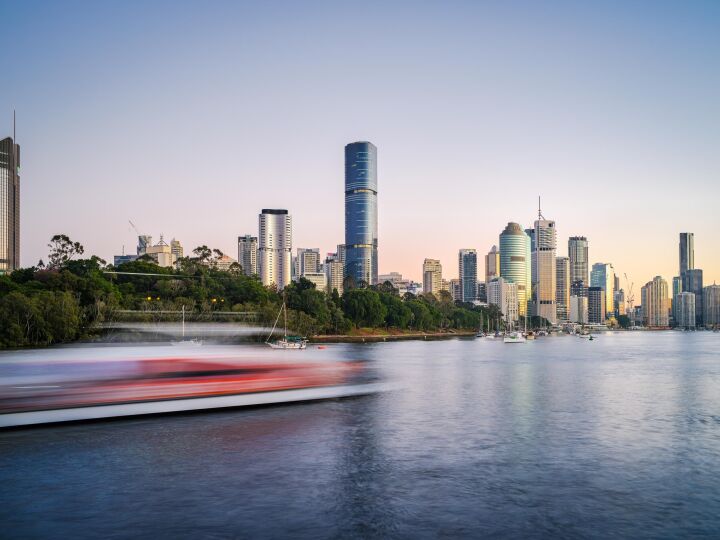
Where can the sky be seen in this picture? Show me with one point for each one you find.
(188, 118)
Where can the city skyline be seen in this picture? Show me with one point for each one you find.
(593, 159)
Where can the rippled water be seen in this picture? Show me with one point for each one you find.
(557, 438)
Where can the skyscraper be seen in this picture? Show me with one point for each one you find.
(503, 294)
(515, 262)
(432, 276)
(543, 240)
(492, 264)
(676, 289)
(685, 310)
(467, 271)
(687, 251)
(361, 218)
(247, 254)
(596, 305)
(578, 254)
(562, 289)
(655, 303)
(711, 306)
(307, 261)
(275, 247)
(9, 205)
(692, 281)
(603, 275)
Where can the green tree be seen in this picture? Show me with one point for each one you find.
(363, 307)
(62, 249)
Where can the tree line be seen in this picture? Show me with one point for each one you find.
(65, 299)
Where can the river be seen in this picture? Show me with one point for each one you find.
(560, 437)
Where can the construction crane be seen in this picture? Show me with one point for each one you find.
(134, 227)
(630, 295)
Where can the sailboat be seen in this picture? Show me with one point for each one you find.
(513, 336)
(183, 341)
(286, 342)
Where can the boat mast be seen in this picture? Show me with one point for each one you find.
(183, 322)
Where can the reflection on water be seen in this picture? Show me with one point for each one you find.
(557, 437)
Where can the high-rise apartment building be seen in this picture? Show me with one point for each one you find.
(687, 251)
(334, 272)
(515, 262)
(676, 289)
(579, 261)
(247, 254)
(455, 290)
(655, 303)
(492, 264)
(543, 242)
(176, 249)
(711, 306)
(685, 310)
(578, 312)
(361, 217)
(503, 293)
(692, 281)
(467, 266)
(596, 305)
(562, 288)
(603, 275)
(9, 205)
(432, 276)
(275, 247)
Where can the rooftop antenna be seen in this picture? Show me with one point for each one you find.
(540, 216)
(14, 137)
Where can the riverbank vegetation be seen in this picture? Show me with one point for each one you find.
(68, 297)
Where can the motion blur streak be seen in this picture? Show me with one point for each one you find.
(97, 382)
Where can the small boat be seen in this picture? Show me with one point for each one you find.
(530, 335)
(514, 337)
(193, 342)
(286, 342)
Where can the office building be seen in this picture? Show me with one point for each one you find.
(275, 247)
(224, 263)
(687, 252)
(247, 254)
(492, 264)
(334, 272)
(122, 259)
(711, 306)
(9, 205)
(676, 289)
(603, 276)
(543, 244)
(579, 261)
(455, 290)
(685, 310)
(307, 261)
(481, 292)
(655, 303)
(144, 242)
(596, 302)
(432, 276)
(393, 277)
(562, 287)
(578, 312)
(467, 271)
(503, 293)
(161, 253)
(515, 262)
(361, 217)
(692, 281)
(319, 279)
(176, 249)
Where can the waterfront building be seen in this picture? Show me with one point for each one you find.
(9, 205)
(596, 301)
(603, 275)
(515, 262)
(319, 279)
(687, 252)
(275, 247)
(361, 217)
(578, 312)
(334, 272)
(543, 243)
(579, 261)
(492, 264)
(711, 306)
(247, 254)
(578, 288)
(692, 281)
(619, 297)
(481, 292)
(467, 265)
(503, 293)
(432, 276)
(655, 300)
(307, 261)
(562, 287)
(685, 310)
(176, 249)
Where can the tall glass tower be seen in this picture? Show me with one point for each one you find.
(361, 217)
(578, 254)
(9, 205)
(467, 266)
(687, 251)
(515, 262)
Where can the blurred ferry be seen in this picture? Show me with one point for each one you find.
(83, 384)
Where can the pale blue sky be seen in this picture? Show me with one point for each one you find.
(188, 118)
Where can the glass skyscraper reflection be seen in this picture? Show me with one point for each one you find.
(361, 218)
